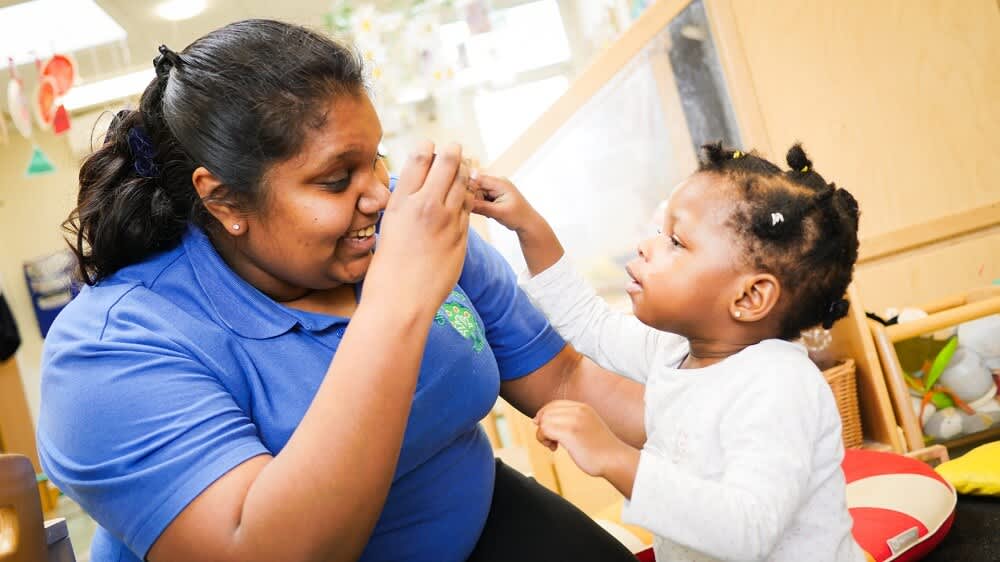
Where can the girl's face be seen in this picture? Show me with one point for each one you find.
(315, 226)
(685, 277)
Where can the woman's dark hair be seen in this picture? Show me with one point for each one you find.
(235, 101)
(795, 226)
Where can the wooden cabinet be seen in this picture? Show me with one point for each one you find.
(17, 432)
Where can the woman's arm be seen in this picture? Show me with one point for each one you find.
(572, 376)
(319, 498)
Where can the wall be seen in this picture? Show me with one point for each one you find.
(897, 101)
(31, 211)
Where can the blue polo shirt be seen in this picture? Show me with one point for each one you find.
(171, 372)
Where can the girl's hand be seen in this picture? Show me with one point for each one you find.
(424, 229)
(500, 200)
(584, 435)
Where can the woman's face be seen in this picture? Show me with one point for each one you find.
(314, 229)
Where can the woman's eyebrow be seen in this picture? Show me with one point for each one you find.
(328, 162)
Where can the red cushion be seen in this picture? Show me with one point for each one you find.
(901, 508)
(646, 555)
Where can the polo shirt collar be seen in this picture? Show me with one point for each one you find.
(238, 304)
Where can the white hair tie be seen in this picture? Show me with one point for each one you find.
(776, 218)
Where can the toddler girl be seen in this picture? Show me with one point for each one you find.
(743, 451)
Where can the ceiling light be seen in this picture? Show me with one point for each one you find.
(97, 93)
(176, 10)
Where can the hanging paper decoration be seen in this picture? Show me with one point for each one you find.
(60, 123)
(40, 163)
(62, 70)
(45, 102)
(55, 78)
(17, 104)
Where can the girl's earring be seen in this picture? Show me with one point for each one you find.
(236, 226)
(737, 314)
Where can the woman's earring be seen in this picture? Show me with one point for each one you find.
(236, 226)
(737, 314)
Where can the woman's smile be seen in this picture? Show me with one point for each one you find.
(361, 240)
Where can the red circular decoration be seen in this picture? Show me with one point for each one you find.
(45, 101)
(62, 70)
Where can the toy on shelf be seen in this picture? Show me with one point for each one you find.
(955, 394)
(941, 365)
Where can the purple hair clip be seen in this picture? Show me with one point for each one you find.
(142, 153)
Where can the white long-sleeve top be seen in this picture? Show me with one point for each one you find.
(742, 458)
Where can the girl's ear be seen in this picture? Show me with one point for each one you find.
(757, 296)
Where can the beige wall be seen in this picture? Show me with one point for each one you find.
(898, 102)
(31, 211)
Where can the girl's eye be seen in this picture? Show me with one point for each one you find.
(676, 241)
(378, 158)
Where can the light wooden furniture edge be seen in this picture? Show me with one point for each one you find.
(929, 233)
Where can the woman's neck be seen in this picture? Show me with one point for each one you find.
(338, 301)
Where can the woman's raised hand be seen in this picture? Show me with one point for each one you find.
(425, 227)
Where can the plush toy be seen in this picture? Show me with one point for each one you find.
(976, 472)
(966, 374)
(956, 392)
(983, 336)
(944, 424)
(927, 411)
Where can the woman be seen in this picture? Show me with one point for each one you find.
(227, 389)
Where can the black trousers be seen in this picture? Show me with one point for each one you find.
(530, 523)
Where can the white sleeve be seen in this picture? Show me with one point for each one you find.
(616, 341)
(766, 472)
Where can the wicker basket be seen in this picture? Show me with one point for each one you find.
(843, 382)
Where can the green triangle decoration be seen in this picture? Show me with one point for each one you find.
(40, 163)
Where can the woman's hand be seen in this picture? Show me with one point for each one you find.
(425, 228)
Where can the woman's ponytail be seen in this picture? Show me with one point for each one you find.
(136, 196)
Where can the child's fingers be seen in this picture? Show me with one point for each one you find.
(541, 411)
(562, 421)
(553, 406)
(540, 436)
(486, 208)
(491, 186)
(549, 434)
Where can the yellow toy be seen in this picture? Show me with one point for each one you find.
(976, 472)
